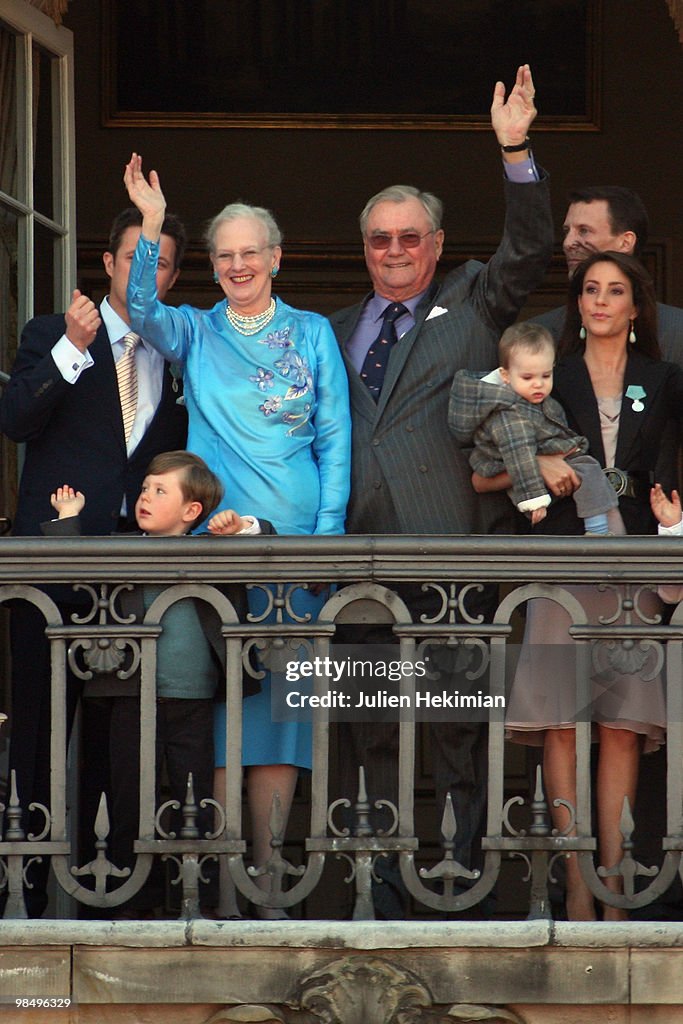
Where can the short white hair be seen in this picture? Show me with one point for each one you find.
(433, 206)
(236, 210)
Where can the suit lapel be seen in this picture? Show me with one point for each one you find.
(399, 356)
(574, 392)
(361, 400)
(639, 373)
(107, 387)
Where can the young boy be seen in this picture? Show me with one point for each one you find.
(510, 418)
(178, 493)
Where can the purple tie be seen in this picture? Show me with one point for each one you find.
(375, 364)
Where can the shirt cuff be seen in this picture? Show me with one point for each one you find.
(252, 529)
(671, 531)
(70, 360)
(523, 172)
(152, 247)
(531, 504)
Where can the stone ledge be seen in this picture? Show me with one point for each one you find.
(175, 962)
(344, 934)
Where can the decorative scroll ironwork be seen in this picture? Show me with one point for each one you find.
(102, 639)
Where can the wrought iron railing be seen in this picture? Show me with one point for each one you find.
(365, 572)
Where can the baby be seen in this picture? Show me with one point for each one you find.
(510, 418)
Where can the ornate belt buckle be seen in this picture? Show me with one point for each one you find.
(618, 479)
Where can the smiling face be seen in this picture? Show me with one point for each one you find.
(530, 374)
(606, 301)
(587, 229)
(117, 266)
(243, 261)
(398, 273)
(162, 510)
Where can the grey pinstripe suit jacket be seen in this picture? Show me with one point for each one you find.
(408, 472)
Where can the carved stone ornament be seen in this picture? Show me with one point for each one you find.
(363, 990)
(370, 990)
(250, 1014)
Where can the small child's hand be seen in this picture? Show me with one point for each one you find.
(537, 515)
(668, 513)
(225, 523)
(67, 502)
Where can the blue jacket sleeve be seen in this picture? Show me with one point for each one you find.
(167, 329)
(332, 422)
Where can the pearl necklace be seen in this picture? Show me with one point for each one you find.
(250, 324)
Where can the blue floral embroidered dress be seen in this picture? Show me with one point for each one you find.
(269, 413)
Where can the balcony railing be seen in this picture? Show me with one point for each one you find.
(365, 572)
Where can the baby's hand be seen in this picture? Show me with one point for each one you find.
(668, 513)
(537, 515)
(225, 523)
(67, 502)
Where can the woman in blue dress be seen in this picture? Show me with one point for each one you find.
(267, 398)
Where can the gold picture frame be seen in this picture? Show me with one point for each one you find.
(382, 64)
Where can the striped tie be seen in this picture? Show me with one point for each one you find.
(127, 377)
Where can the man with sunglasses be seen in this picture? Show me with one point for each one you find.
(402, 346)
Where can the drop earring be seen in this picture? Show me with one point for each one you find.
(632, 334)
(582, 333)
(275, 271)
(215, 277)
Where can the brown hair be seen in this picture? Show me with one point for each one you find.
(643, 299)
(625, 210)
(131, 217)
(530, 337)
(197, 481)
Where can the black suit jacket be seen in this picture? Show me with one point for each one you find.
(638, 441)
(74, 432)
(408, 473)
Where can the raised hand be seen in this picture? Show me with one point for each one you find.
(146, 195)
(225, 523)
(67, 502)
(82, 321)
(668, 513)
(512, 118)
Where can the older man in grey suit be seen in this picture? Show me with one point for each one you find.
(408, 473)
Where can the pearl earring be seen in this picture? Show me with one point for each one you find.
(632, 334)
(582, 333)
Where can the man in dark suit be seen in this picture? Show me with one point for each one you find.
(609, 217)
(408, 473)
(62, 401)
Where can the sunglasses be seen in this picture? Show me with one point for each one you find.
(406, 239)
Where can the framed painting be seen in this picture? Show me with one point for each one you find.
(392, 64)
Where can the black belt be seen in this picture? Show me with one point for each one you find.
(629, 485)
